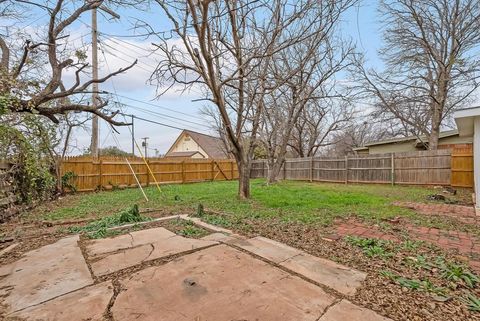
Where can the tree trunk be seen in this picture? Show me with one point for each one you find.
(435, 132)
(275, 168)
(243, 179)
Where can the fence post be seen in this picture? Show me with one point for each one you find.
(311, 169)
(263, 169)
(346, 169)
(212, 170)
(231, 169)
(183, 171)
(392, 174)
(100, 174)
(148, 173)
(284, 169)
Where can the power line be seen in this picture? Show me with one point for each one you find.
(146, 110)
(125, 60)
(165, 115)
(153, 121)
(158, 106)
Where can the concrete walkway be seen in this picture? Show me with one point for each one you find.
(154, 274)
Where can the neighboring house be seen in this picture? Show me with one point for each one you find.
(191, 144)
(448, 139)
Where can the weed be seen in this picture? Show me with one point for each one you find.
(99, 228)
(420, 262)
(472, 302)
(217, 220)
(377, 251)
(200, 210)
(414, 284)
(189, 229)
(101, 233)
(410, 245)
(428, 286)
(371, 247)
(457, 273)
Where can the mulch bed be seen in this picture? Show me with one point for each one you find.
(378, 292)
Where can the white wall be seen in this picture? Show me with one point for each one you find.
(476, 160)
(187, 144)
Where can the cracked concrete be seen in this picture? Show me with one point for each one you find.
(222, 276)
(218, 282)
(45, 273)
(151, 244)
(85, 304)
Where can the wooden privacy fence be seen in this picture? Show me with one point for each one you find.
(109, 172)
(413, 168)
(462, 166)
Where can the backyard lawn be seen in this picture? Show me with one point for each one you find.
(288, 201)
(419, 264)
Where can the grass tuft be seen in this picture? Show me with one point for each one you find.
(99, 228)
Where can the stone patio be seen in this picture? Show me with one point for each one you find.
(220, 277)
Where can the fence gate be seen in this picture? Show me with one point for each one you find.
(462, 167)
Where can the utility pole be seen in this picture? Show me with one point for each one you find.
(133, 135)
(144, 144)
(94, 142)
(95, 134)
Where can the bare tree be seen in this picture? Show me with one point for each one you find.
(226, 47)
(357, 134)
(431, 59)
(26, 84)
(303, 74)
(319, 126)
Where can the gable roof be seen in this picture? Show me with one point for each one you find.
(184, 154)
(213, 146)
(416, 139)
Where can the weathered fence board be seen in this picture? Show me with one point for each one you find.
(462, 167)
(109, 172)
(416, 168)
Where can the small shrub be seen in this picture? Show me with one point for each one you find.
(67, 182)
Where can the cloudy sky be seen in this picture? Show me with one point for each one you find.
(120, 45)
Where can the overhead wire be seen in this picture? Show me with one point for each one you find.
(160, 106)
(131, 133)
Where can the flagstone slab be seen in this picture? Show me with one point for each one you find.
(336, 276)
(269, 249)
(208, 226)
(347, 311)
(88, 303)
(133, 239)
(218, 283)
(45, 273)
(161, 245)
(224, 238)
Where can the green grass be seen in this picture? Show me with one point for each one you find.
(289, 200)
